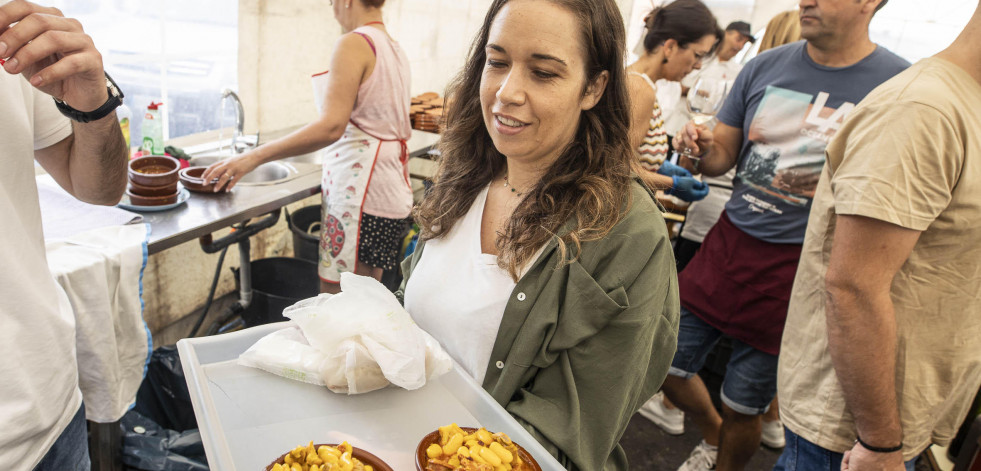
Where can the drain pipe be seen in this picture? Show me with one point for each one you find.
(245, 274)
(231, 318)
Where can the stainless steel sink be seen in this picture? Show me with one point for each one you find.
(266, 174)
(272, 172)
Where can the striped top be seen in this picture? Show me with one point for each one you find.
(654, 148)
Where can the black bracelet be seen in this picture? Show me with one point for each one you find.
(877, 449)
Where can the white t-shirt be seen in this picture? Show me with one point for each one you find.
(39, 392)
(458, 294)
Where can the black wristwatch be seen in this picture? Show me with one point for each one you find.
(115, 99)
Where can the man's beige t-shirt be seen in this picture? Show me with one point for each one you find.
(910, 155)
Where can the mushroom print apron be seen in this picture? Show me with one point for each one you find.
(347, 168)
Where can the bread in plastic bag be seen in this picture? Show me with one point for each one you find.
(366, 338)
(286, 353)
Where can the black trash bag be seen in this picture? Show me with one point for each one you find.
(163, 396)
(149, 447)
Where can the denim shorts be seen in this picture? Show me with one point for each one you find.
(802, 455)
(70, 451)
(751, 375)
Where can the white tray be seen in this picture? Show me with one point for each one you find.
(248, 417)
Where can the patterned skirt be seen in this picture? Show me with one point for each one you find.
(380, 241)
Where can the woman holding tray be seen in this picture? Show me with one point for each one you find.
(544, 266)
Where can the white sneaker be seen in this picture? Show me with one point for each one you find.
(773, 434)
(671, 421)
(702, 458)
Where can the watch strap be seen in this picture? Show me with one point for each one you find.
(879, 449)
(114, 100)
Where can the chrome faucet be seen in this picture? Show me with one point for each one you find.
(239, 141)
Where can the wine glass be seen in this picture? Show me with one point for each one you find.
(704, 100)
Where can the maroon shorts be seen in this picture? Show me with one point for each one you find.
(741, 285)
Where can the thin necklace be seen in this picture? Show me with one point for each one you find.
(373, 23)
(508, 185)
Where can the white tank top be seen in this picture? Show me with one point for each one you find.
(382, 110)
(458, 294)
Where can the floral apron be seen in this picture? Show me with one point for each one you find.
(347, 168)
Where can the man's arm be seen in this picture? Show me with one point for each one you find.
(91, 163)
(58, 58)
(721, 146)
(866, 255)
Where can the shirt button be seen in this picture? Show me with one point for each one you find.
(521, 296)
(500, 365)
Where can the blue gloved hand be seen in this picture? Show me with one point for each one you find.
(671, 170)
(688, 188)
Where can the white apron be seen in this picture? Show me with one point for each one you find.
(347, 168)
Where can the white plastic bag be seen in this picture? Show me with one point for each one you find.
(286, 353)
(365, 336)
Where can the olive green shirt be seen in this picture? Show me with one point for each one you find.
(581, 347)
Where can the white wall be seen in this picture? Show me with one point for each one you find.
(281, 44)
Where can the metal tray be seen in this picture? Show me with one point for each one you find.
(248, 417)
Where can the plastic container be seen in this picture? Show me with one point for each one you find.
(153, 130)
(278, 283)
(248, 417)
(305, 226)
(125, 116)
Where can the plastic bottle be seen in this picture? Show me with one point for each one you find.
(152, 131)
(125, 116)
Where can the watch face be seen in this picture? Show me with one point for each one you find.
(113, 89)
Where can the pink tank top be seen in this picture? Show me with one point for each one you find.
(382, 110)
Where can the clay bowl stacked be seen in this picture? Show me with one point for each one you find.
(153, 180)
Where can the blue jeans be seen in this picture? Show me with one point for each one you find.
(751, 375)
(802, 455)
(71, 450)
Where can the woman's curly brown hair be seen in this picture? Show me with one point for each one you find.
(588, 184)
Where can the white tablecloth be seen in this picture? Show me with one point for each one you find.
(101, 271)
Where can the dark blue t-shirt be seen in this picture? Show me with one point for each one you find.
(789, 107)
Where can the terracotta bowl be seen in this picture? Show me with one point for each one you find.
(142, 190)
(422, 460)
(153, 170)
(365, 457)
(191, 179)
(139, 200)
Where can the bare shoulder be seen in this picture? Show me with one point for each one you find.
(353, 47)
(639, 89)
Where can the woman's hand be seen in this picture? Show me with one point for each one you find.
(229, 172)
(672, 170)
(688, 189)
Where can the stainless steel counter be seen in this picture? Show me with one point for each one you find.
(206, 213)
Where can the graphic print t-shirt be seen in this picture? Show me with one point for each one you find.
(789, 107)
